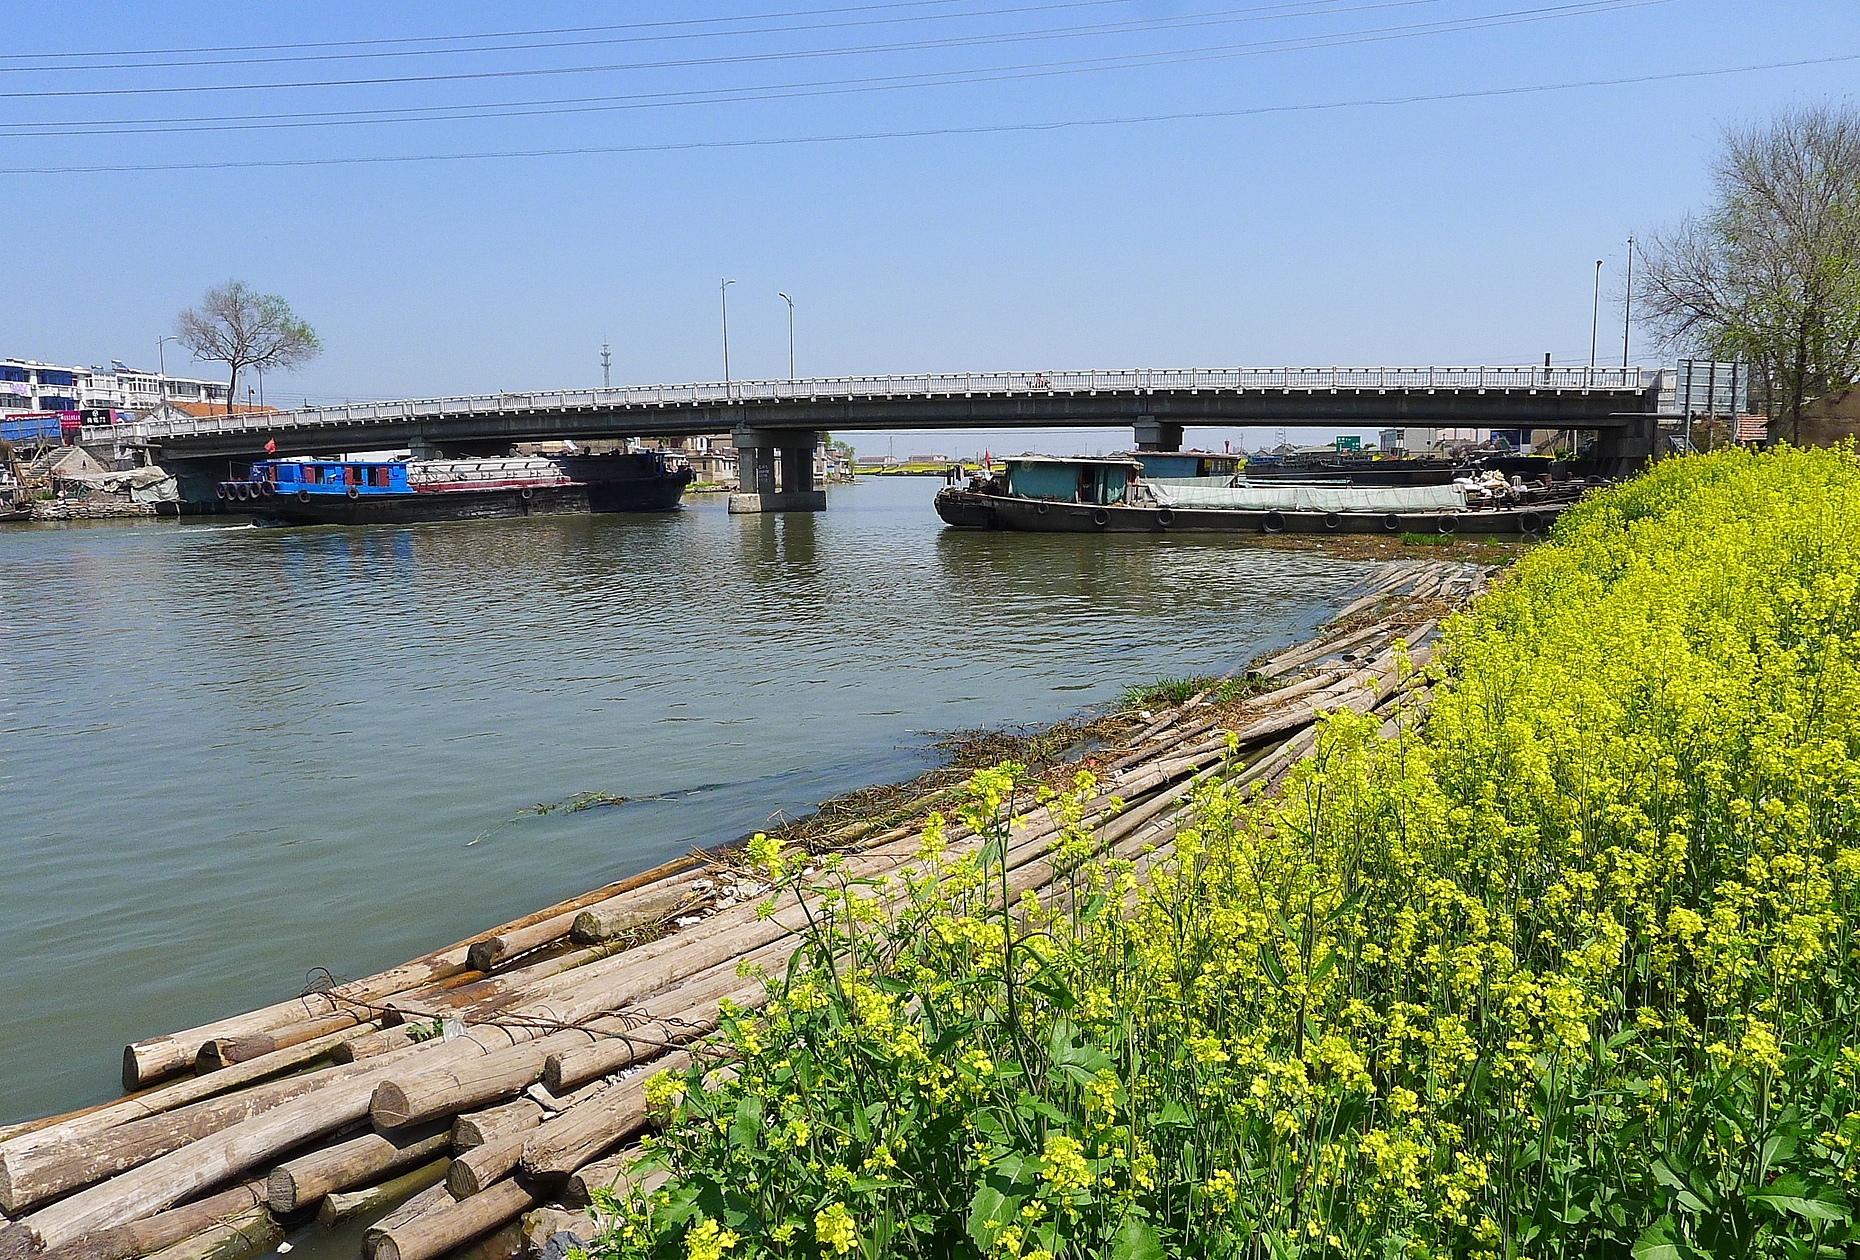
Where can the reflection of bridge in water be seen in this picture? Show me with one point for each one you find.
(775, 423)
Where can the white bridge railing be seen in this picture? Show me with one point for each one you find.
(1134, 381)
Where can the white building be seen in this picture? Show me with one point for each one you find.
(29, 385)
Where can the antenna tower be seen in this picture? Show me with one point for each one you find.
(607, 364)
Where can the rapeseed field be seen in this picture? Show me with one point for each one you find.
(1570, 972)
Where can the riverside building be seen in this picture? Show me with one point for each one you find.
(30, 385)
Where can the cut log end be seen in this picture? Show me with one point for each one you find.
(390, 1107)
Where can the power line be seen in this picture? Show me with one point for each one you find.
(436, 39)
(830, 87)
(741, 59)
(1298, 8)
(932, 132)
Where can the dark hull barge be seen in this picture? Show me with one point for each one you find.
(970, 510)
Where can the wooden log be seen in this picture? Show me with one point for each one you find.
(565, 1069)
(233, 1238)
(607, 1173)
(163, 1098)
(337, 1208)
(147, 1061)
(34, 1174)
(432, 1234)
(482, 1167)
(222, 1052)
(625, 914)
(164, 1229)
(501, 1244)
(299, 1182)
(371, 1044)
(579, 1134)
(430, 1199)
(475, 1128)
(648, 903)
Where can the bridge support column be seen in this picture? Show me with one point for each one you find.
(757, 452)
(1157, 435)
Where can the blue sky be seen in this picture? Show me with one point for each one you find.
(1447, 231)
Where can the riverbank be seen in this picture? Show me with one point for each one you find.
(580, 991)
(1568, 968)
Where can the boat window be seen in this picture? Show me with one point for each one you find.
(378, 476)
(312, 474)
(352, 476)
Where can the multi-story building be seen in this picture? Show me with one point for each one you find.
(29, 385)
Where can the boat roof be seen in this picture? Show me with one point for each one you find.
(1112, 460)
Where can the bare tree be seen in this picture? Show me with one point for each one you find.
(243, 329)
(1770, 272)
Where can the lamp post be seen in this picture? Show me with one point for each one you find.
(723, 295)
(1627, 312)
(161, 358)
(790, 301)
(1595, 315)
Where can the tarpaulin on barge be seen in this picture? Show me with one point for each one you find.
(1197, 492)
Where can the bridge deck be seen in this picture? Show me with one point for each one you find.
(1492, 396)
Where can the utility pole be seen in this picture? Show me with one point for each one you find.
(1627, 314)
(790, 301)
(607, 364)
(1595, 315)
(723, 294)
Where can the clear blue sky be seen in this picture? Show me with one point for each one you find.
(1450, 231)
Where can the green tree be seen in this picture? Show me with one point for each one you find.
(1770, 271)
(242, 328)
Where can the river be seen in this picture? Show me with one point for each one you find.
(230, 755)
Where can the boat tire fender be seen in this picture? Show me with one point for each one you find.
(1391, 522)
(526, 492)
(1333, 520)
(266, 490)
(1165, 518)
(303, 496)
(1040, 508)
(219, 491)
(1531, 522)
(1274, 521)
(353, 492)
(1446, 524)
(1100, 517)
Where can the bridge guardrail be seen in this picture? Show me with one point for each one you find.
(718, 393)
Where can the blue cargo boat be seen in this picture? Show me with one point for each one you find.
(399, 491)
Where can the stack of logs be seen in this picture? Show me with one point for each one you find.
(448, 1097)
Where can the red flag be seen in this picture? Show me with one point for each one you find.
(271, 446)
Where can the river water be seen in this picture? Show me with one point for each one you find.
(231, 755)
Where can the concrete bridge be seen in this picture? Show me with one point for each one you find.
(772, 422)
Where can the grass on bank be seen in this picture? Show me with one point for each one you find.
(1574, 973)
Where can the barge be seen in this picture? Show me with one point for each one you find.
(1044, 494)
(402, 491)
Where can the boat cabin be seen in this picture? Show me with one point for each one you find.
(334, 476)
(1064, 480)
(1172, 464)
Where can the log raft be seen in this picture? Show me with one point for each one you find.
(460, 1090)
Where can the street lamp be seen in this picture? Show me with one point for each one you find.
(1627, 310)
(723, 294)
(790, 301)
(1595, 315)
(161, 357)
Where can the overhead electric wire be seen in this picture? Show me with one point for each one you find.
(1296, 8)
(558, 30)
(1472, 23)
(934, 132)
(695, 96)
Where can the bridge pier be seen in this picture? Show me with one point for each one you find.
(758, 452)
(1157, 435)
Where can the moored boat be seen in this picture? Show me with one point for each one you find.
(1054, 495)
(402, 491)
